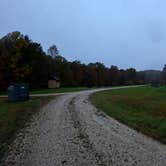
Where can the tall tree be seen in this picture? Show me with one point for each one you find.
(21, 59)
(114, 75)
(12, 48)
(53, 51)
(164, 74)
(130, 76)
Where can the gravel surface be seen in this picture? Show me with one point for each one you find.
(69, 131)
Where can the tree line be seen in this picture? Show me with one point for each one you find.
(24, 61)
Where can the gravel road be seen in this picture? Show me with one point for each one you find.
(69, 131)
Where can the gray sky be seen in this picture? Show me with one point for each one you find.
(126, 33)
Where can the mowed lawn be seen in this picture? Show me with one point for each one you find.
(59, 90)
(142, 108)
(14, 115)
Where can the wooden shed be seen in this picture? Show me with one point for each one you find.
(53, 82)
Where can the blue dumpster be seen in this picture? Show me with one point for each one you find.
(24, 92)
(13, 92)
(18, 92)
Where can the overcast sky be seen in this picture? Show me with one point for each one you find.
(126, 33)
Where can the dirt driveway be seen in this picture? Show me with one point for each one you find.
(69, 131)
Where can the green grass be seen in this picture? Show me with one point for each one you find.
(142, 108)
(13, 116)
(59, 90)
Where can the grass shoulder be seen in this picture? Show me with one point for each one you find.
(14, 116)
(142, 108)
(58, 90)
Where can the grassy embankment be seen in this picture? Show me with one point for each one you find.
(142, 108)
(14, 115)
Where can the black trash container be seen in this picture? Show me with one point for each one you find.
(18, 92)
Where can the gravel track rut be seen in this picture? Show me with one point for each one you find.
(69, 131)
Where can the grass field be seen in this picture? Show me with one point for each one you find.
(59, 90)
(142, 108)
(14, 115)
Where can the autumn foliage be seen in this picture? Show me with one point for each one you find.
(22, 60)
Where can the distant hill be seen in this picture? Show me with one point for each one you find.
(152, 76)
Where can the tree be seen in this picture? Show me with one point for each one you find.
(53, 51)
(67, 76)
(91, 75)
(18, 66)
(101, 74)
(114, 75)
(121, 77)
(130, 76)
(12, 54)
(164, 74)
(77, 70)
(21, 60)
(40, 65)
